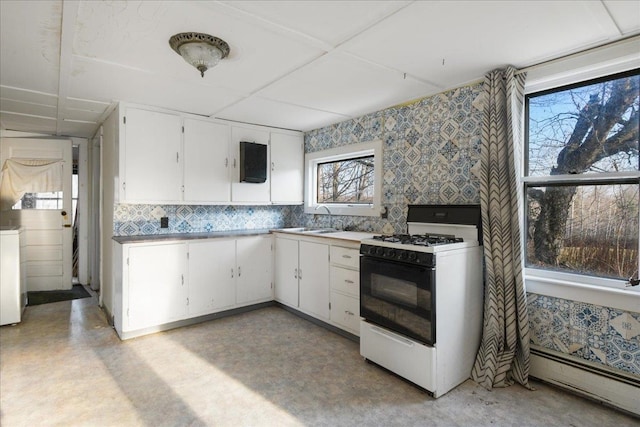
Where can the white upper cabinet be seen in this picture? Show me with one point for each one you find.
(206, 162)
(176, 158)
(287, 159)
(151, 166)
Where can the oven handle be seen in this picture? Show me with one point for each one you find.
(391, 336)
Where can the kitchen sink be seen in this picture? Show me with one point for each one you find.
(310, 230)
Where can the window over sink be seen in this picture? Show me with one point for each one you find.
(347, 180)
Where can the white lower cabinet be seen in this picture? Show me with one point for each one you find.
(155, 291)
(170, 281)
(302, 275)
(345, 288)
(211, 276)
(254, 270)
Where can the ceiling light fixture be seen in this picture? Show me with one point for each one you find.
(200, 50)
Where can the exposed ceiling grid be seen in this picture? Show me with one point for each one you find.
(293, 64)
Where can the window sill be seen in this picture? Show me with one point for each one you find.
(627, 299)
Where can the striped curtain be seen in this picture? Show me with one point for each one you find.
(503, 356)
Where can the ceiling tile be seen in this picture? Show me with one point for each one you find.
(267, 112)
(625, 13)
(28, 96)
(136, 35)
(30, 44)
(451, 43)
(23, 123)
(122, 84)
(345, 85)
(28, 108)
(87, 105)
(329, 21)
(79, 129)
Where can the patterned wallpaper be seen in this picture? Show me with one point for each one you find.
(431, 155)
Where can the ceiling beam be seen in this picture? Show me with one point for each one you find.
(69, 16)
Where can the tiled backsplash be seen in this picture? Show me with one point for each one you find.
(133, 220)
(591, 332)
(431, 155)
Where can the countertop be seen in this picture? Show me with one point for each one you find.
(352, 236)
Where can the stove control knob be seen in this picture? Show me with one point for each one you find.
(390, 253)
(372, 250)
(402, 255)
(379, 250)
(412, 256)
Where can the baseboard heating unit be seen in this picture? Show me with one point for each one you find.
(612, 387)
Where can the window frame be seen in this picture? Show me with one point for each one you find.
(539, 275)
(346, 152)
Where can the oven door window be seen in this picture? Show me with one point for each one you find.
(398, 296)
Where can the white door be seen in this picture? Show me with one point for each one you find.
(314, 278)
(287, 159)
(211, 275)
(286, 274)
(47, 222)
(206, 162)
(152, 150)
(254, 270)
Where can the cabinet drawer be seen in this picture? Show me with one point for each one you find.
(345, 312)
(344, 280)
(345, 256)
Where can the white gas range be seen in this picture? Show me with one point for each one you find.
(421, 297)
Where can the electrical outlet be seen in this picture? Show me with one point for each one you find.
(164, 222)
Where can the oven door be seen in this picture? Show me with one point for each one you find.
(399, 296)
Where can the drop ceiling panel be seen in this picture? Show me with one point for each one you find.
(24, 123)
(331, 22)
(81, 115)
(28, 96)
(86, 104)
(30, 44)
(27, 108)
(82, 130)
(345, 85)
(121, 84)
(136, 35)
(625, 13)
(450, 43)
(277, 114)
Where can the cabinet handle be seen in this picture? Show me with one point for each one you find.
(348, 281)
(295, 273)
(232, 273)
(226, 162)
(300, 273)
(350, 313)
(177, 157)
(239, 271)
(273, 166)
(234, 163)
(182, 279)
(346, 256)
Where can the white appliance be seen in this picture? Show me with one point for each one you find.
(13, 291)
(422, 297)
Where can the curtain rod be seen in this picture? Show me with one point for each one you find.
(576, 54)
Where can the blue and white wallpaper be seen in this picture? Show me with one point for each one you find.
(431, 155)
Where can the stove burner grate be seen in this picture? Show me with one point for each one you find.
(419, 239)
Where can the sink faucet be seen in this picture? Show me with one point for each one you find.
(328, 211)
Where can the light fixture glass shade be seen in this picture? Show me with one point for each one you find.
(200, 50)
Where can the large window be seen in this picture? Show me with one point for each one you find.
(582, 179)
(345, 179)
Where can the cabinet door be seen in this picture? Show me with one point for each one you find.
(286, 274)
(206, 162)
(152, 148)
(254, 270)
(314, 278)
(245, 191)
(211, 276)
(287, 159)
(156, 284)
